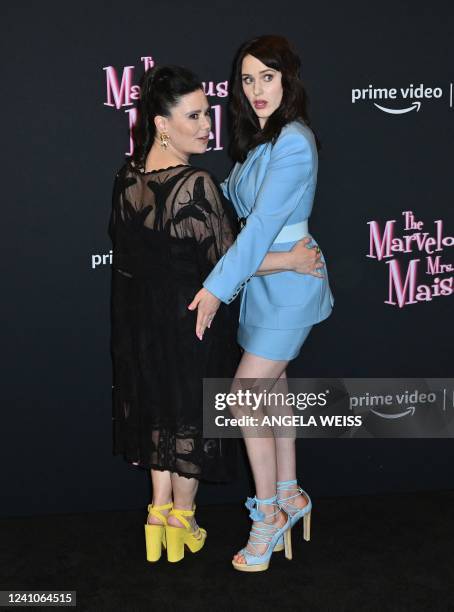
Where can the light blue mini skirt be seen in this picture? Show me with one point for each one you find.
(276, 344)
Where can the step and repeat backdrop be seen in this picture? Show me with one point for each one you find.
(380, 84)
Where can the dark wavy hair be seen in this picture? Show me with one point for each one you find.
(161, 87)
(275, 52)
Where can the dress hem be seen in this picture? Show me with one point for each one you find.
(160, 468)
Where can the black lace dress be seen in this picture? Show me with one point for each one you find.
(168, 227)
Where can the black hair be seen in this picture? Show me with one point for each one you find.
(161, 87)
(275, 52)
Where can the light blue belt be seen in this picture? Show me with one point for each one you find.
(291, 233)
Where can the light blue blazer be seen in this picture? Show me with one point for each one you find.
(274, 187)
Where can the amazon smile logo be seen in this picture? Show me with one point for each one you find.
(400, 100)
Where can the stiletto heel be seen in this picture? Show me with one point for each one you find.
(293, 512)
(178, 537)
(155, 537)
(263, 534)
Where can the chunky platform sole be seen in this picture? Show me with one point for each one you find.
(178, 538)
(155, 540)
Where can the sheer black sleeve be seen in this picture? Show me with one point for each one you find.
(211, 219)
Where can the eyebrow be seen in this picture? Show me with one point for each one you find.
(261, 72)
(199, 110)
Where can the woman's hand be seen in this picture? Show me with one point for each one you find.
(207, 305)
(306, 260)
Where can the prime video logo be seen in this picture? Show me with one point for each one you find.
(410, 98)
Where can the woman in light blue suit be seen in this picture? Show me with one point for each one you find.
(272, 188)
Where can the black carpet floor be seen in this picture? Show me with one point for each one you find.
(374, 553)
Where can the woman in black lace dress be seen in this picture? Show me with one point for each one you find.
(170, 225)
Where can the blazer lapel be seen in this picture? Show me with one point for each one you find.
(244, 170)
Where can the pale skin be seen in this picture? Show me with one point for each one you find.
(271, 458)
(188, 130)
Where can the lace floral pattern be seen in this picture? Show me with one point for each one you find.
(168, 228)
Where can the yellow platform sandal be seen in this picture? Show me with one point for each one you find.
(178, 537)
(155, 535)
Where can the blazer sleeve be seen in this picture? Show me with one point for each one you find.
(287, 177)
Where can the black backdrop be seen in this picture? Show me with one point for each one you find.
(61, 147)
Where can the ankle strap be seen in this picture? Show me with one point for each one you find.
(155, 511)
(282, 484)
(180, 514)
(252, 504)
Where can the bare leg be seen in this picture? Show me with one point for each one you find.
(262, 451)
(286, 463)
(184, 492)
(285, 446)
(162, 492)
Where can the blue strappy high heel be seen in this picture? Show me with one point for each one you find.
(263, 534)
(293, 512)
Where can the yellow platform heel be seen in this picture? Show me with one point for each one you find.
(155, 535)
(178, 537)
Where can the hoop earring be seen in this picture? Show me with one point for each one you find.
(164, 140)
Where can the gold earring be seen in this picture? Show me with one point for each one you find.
(164, 140)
